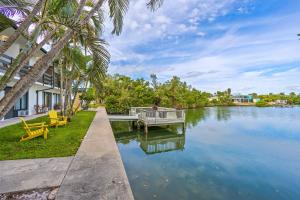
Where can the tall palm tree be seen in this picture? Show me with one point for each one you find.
(116, 13)
(9, 10)
(47, 22)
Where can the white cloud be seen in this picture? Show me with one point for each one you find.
(253, 55)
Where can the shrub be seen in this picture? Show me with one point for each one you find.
(261, 103)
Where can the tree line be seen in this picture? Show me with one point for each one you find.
(118, 93)
(291, 98)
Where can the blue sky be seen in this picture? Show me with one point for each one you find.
(246, 45)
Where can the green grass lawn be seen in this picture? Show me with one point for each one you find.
(62, 141)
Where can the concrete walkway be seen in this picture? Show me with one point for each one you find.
(27, 174)
(16, 120)
(97, 171)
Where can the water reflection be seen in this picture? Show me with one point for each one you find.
(161, 141)
(194, 116)
(158, 140)
(223, 113)
(226, 153)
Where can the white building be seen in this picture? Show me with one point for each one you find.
(281, 102)
(43, 95)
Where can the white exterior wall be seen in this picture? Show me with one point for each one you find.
(53, 101)
(31, 101)
(256, 100)
(41, 94)
(32, 97)
(13, 51)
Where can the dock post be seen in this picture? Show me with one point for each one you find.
(183, 127)
(146, 128)
(130, 127)
(138, 125)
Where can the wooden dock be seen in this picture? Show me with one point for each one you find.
(147, 117)
(125, 118)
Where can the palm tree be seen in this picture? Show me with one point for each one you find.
(10, 7)
(117, 10)
(42, 26)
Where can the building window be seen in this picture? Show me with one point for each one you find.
(22, 103)
(47, 100)
(56, 98)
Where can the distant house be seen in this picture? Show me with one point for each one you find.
(281, 102)
(255, 100)
(242, 99)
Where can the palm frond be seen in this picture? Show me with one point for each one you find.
(97, 68)
(98, 22)
(117, 10)
(10, 8)
(154, 4)
(99, 51)
(5, 22)
(89, 3)
(96, 72)
(64, 11)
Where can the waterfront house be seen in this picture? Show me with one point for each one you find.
(281, 102)
(242, 99)
(43, 95)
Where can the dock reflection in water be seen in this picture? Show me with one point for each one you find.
(159, 140)
(226, 153)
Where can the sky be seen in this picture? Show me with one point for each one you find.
(246, 45)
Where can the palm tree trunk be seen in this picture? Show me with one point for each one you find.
(22, 59)
(76, 86)
(66, 97)
(39, 68)
(25, 24)
(81, 5)
(61, 87)
(69, 98)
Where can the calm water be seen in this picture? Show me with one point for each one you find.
(225, 153)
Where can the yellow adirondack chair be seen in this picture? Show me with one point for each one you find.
(34, 130)
(56, 120)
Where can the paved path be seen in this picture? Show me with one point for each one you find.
(27, 174)
(97, 171)
(16, 120)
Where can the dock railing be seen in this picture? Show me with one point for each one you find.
(136, 110)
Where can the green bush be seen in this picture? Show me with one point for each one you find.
(261, 103)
